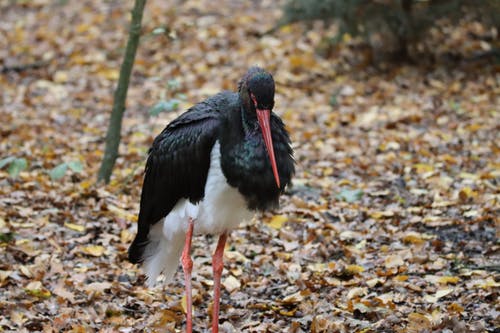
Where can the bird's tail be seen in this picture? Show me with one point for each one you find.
(162, 254)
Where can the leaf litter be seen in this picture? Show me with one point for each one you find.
(392, 225)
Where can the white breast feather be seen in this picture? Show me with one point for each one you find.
(223, 208)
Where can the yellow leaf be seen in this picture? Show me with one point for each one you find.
(277, 221)
(93, 250)
(401, 278)
(344, 182)
(122, 213)
(303, 60)
(449, 159)
(448, 279)
(295, 60)
(467, 175)
(74, 227)
(60, 77)
(109, 73)
(474, 127)
(382, 214)
(346, 38)
(413, 238)
(81, 28)
(126, 236)
(454, 307)
(290, 313)
(442, 203)
(423, 168)
(319, 144)
(286, 29)
(85, 184)
(466, 193)
(35, 288)
(354, 269)
(327, 172)
(184, 303)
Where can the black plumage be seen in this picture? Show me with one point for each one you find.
(179, 158)
(176, 168)
(232, 146)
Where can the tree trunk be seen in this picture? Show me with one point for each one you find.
(115, 122)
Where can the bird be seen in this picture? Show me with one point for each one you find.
(211, 168)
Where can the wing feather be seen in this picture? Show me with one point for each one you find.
(177, 167)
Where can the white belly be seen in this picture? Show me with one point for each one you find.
(223, 208)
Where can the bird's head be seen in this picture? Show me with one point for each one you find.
(257, 94)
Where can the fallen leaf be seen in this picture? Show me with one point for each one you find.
(94, 250)
(394, 260)
(382, 214)
(442, 279)
(356, 292)
(293, 298)
(122, 213)
(277, 221)
(25, 271)
(418, 323)
(439, 294)
(35, 288)
(74, 227)
(413, 238)
(354, 269)
(455, 307)
(64, 293)
(349, 195)
(231, 283)
(97, 287)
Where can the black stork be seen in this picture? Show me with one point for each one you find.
(207, 171)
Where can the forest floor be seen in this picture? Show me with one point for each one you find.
(391, 225)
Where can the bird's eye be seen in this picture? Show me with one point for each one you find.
(254, 99)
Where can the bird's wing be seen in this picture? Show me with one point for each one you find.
(177, 167)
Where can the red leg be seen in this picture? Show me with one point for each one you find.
(187, 266)
(218, 265)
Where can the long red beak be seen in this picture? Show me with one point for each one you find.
(264, 117)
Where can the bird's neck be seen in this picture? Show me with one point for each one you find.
(247, 124)
(248, 117)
